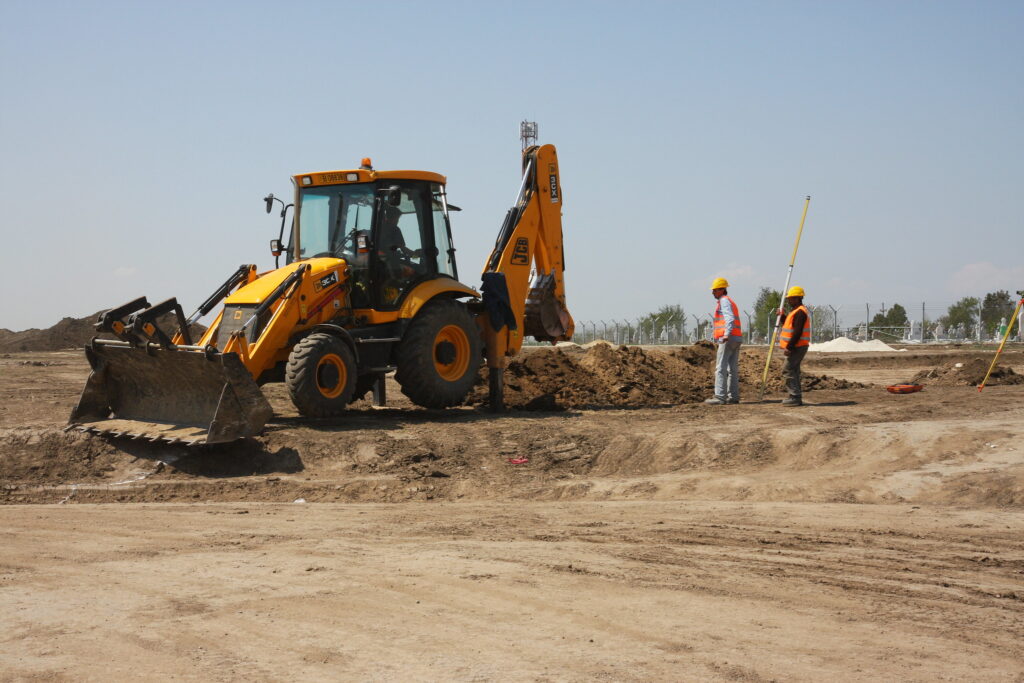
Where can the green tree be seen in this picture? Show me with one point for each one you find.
(896, 316)
(670, 316)
(765, 309)
(964, 311)
(996, 306)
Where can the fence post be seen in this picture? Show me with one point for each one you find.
(979, 319)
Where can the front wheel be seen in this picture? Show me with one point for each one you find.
(321, 375)
(439, 355)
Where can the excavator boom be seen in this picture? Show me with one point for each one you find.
(523, 281)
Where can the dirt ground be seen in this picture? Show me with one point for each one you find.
(864, 536)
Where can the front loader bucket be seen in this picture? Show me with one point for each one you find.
(174, 395)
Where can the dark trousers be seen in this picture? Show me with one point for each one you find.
(791, 372)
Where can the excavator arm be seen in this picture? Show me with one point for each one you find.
(523, 281)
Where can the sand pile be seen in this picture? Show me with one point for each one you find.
(967, 374)
(847, 345)
(606, 376)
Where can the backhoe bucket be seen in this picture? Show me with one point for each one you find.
(545, 317)
(175, 395)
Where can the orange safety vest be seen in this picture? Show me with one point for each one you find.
(736, 330)
(787, 329)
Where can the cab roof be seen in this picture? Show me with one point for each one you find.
(360, 175)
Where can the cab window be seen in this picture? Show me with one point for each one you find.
(401, 256)
(442, 233)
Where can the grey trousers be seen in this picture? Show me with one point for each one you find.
(791, 372)
(727, 371)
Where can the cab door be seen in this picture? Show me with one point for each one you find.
(404, 244)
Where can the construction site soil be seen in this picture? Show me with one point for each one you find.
(604, 376)
(639, 535)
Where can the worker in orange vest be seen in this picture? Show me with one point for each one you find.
(795, 339)
(728, 336)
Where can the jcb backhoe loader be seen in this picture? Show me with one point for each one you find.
(369, 285)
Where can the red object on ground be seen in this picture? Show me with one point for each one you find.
(519, 461)
(904, 388)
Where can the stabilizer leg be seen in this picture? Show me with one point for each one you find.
(496, 380)
(380, 393)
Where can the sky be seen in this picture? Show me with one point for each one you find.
(138, 139)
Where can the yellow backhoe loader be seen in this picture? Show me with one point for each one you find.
(369, 286)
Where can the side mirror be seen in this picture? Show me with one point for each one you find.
(275, 248)
(393, 195)
(269, 199)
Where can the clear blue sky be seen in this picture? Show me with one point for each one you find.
(139, 138)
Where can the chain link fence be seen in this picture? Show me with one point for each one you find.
(828, 322)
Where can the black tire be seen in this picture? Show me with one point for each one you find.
(314, 375)
(439, 356)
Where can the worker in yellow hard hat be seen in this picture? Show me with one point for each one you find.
(795, 340)
(728, 336)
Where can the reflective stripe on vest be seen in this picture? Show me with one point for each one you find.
(787, 329)
(736, 331)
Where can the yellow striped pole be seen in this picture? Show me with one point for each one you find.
(778, 320)
(1006, 336)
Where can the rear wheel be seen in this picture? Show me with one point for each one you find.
(321, 375)
(439, 355)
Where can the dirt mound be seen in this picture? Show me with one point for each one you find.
(33, 455)
(969, 373)
(66, 334)
(606, 376)
(69, 333)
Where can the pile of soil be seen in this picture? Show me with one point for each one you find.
(70, 333)
(969, 373)
(606, 376)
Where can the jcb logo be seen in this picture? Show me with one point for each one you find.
(521, 252)
(553, 181)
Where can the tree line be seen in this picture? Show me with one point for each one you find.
(995, 307)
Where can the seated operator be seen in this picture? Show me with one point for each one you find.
(401, 264)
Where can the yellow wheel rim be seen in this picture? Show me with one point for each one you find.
(451, 353)
(331, 375)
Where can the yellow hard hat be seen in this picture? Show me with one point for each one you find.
(719, 283)
(795, 291)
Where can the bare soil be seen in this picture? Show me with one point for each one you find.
(864, 536)
(970, 373)
(604, 376)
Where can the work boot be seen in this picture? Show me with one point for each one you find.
(793, 401)
(714, 401)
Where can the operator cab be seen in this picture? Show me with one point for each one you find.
(391, 227)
